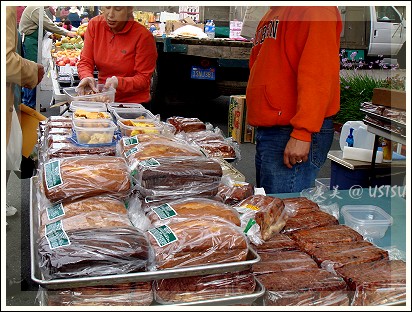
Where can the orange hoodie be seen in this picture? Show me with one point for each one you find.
(294, 69)
(130, 55)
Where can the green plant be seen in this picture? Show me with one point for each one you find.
(357, 87)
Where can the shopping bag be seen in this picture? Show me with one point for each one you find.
(14, 147)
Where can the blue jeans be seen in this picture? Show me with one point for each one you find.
(271, 172)
(29, 97)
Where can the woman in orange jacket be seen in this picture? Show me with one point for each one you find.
(292, 94)
(124, 53)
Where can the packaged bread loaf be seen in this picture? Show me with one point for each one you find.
(195, 242)
(186, 124)
(123, 294)
(68, 149)
(278, 242)
(267, 211)
(159, 177)
(92, 252)
(85, 176)
(381, 282)
(188, 208)
(205, 287)
(307, 219)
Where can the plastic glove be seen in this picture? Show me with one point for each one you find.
(85, 85)
(111, 82)
(71, 34)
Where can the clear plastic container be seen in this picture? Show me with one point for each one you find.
(323, 182)
(132, 113)
(130, 127)
(368, 220)
(92, 131)
(88, 105)
(102, 96)
(116, 105)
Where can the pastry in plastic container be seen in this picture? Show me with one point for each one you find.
(92, 252)
(380, 282)
(178, 175)
(123, 294)
(189, 208)
(84, 176)
(205, 287)
(311, 287)
(196, 242)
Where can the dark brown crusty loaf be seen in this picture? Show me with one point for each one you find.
(186, 124)
(68, 149)
(92, 252)
(269, 213)
(299, 204)
(123, 294)
(376, 283)
(282, 261)
(234, 193)
(199, 242)
(278, 242)
(307, 220)
(85, 176)
(331, 234)
(69, 209)
(179, 176)
(188, 208)
(344, 253)
(205, 287)
(303, 287)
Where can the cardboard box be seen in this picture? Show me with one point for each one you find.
(389, 97)
(238, 128)
(171, 26)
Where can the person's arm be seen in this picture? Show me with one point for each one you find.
(49, 25)
(19, 70)
(144, 65)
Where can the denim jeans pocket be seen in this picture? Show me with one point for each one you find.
(321, 143)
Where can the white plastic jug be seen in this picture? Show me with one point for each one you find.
(362, 138)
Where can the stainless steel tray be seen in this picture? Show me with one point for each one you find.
(37, 277)
(229, 300)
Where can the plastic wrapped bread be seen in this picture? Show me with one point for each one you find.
(84, 176)
(196, 242)
(92, 252)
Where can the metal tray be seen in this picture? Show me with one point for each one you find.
(383, 118)
(37, 277)
(245, 299)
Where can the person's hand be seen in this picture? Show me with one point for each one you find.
(86, 84)
(40, 73)
(111, 82)
(296, 152)
(71, 34)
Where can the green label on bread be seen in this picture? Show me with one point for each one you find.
(57, 239)
(130, 140)
(52, 174)
(164, 211)
(151, 162)
(55, 211)
(163, 235)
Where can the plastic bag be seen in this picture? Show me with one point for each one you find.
(14, 147)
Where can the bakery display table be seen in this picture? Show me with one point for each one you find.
(346, 172)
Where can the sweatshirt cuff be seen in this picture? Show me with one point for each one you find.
(302, 135)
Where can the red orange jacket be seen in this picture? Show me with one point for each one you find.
(130, 55)
(294, 69)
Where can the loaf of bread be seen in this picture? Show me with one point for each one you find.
(85, 176)
(278, 242)
(268, 213)
(68, 149)
(205, 287)
(126, 143)
(299, 204)
(310, 287)
(331, 234)
(123, 294)
(178, 176)
(186, 124)
(308, 219)
(235, 192)
(92, 252)
(332, 256)
(195, 242)
(282, 261)
(188, 208)
(381, 282)
(70, 208)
